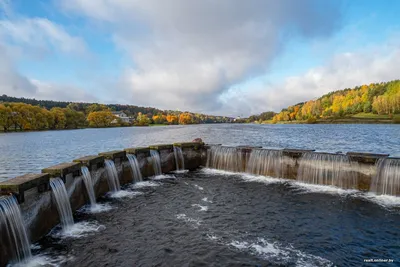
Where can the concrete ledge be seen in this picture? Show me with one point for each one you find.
(115, 154)
(92, 162)
(20, 184)
(137, 150)
(194, 145)
(296, 153)
(162, 147)
(63, 169)
(369, 158)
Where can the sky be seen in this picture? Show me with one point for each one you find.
(225, 57)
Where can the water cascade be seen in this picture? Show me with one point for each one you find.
(87, 179)
(387, 179)
(225, 158)
(156, 162)
(135, 168)
(112, 175)
(328, 169)
(11, 221)
(62, 200)
(265, 162)
(179, 161)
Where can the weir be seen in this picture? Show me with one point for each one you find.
(134, 164)
(179, 160)
(112, 175)
(15, 241)
(156, 162)
(374, 172)
(87, 179)
(265, 162)
(62, 200)
(387, 179)
(328, 169)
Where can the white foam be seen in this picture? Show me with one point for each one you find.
(316, 188)
(144, 184)
(280, 254)
(182, 216)
(212, 237)
(44, 260)
(199, 187)
(124, 194)
(79, 230)
(217, 172)
(163, 176)
(205, 199)
(202, 208)
(386, 201)
(262, 179)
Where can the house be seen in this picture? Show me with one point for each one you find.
(122, 116)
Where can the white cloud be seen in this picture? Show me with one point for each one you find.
(188, 53)
(40, 33)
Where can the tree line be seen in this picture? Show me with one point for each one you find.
(52, 115)
(376, 98)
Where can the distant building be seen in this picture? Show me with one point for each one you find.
(122, 116)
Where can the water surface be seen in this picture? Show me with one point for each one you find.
(30, 152)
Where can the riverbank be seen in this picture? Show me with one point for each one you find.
(360, 118)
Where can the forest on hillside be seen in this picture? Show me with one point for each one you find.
(366, 101)
(22, 114)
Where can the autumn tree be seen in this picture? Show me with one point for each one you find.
(100, 118)
(172, 119)
(185, 118)
(142, 120)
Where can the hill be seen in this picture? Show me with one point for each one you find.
(373, 103)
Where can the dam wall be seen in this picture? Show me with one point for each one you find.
(36, 200)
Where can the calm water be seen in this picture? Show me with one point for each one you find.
(30, 152)
(210, 218)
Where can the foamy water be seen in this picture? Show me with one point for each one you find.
(199, 187)
(97, 208)
(124, 194)
(205, 199)
(192, 221)
(144, 184)
(279, 254)
(163, 176)
(79, 230)
(202, 208)
(45, 260)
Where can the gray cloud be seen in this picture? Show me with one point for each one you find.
(346, 70)
(186, 54)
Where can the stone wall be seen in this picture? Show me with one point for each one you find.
(36, 200)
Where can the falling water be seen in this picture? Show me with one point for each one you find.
(387, 179)
(328, 169)
(156, 162)
(87, 179)
(179, 161)
(265, 162)
(62, 201)
(112, 175)
(225, 158)
(133, 162)
(15, 228)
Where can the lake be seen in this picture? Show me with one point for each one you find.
(31, 151)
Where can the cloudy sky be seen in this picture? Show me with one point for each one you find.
(225, 57)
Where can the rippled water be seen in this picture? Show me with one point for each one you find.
(30, 152)
(211, 218)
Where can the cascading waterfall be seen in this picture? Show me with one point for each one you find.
(225, 158)
(387, 179)
(11, 218)
(328, 169)
(62, 200)
(179, 160)
(87, 179)
(156, 162)
(112, 176)
(265, 162)
(135, 168)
